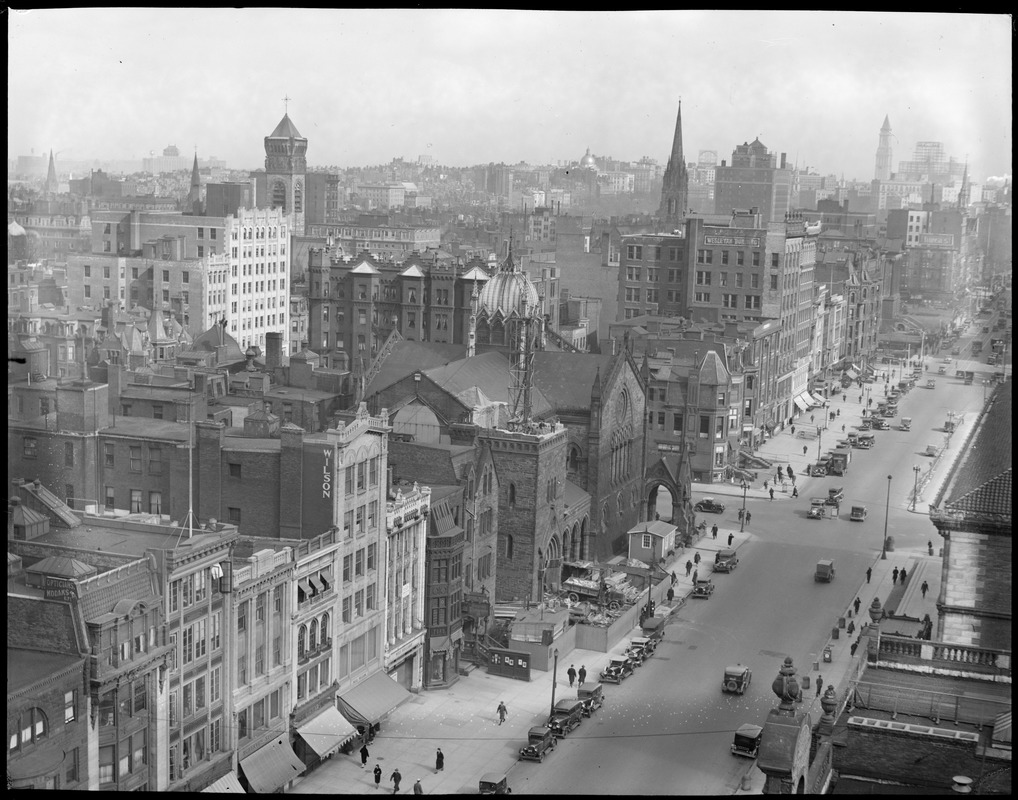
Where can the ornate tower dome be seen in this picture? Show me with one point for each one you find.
(507, 290)
(588, 162)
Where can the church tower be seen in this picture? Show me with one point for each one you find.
(884, 153)
(285, 170)
(194, 196)
(675, 189)
(52, 184)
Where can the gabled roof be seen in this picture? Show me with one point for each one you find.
(364, 268)
(490, 373)
(409, 356)
(566, 379)
(993, 497)
(413, 271)
(285, 129)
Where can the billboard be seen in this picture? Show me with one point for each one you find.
(319, 487)
(936, 240)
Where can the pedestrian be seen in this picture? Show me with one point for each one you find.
(869, 574)
(857, 603)
(571, 672)
(378, 774)
(696, 574)
(418, 789)
(696, 558)
(805, 449)
(839, 414)
(820, 685)
(795, 491)
(502, 711)
(582, 674)
(793, 479)
(812, 418)
(851, 627)
(772, 492)
(904, 577)
(670, 595)
(777, 474)
(731, 536)
(748, 517)
(714, 531)
(689, 567)
(853, 648)
(675, 578)
(924, 589)
(844, 398)
(894, 576)
(364, 755)
(791, 473)
(395, 778)
(860, 398)
(717, 556)
(439, 760)
(793, 430)
(842, 428)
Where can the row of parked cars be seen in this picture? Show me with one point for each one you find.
(567, 714)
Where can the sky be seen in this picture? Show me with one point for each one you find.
(477, 86)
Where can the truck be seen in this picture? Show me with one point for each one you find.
(840, 459)
(977, 347)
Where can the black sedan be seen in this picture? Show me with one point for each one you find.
(709, 504)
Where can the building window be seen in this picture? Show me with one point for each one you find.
(775, 258)
(135, 501)
(155, 502)
(30, 447)
(136, 459)
(234, 514)
(372, 550)
(70, 706)
(68, 454)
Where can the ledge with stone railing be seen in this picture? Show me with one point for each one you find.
(919, 655)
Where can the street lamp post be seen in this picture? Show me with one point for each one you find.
(915, 491)
(554, 680)
(820, 441)
(887, 513)
(742, 517)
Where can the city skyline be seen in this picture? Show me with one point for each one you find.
(448, 83)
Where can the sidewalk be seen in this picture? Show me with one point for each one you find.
(462, 719)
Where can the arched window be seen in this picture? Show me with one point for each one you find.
(313, 636)
(325, 628)
(279, 195)
(298, 197)
(508, 546)
(512, 495)
(573, 459)
(302, 638)
(32, 726)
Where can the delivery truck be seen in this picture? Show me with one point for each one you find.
(840, 459)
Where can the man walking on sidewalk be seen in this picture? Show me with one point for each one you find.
(364, 755)
(378, 775)
(924, 589)
(904, 576)
(502, 711)
(439, 760)
(731, 536)
(395, 778)
(772, 493)
(571, 672)
(820, 685)
(689, 567)
(894, 576)
(582, 674)
(869, 574)
(857, 603)
(748, 517)
(714, 531)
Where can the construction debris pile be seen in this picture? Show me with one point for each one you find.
(595, 593)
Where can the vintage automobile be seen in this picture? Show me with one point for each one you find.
(818, 470)
(592, 697)
(825, 571)
(494, 783)
(618, 669)
(867, 441)
(905, 424)
(565, 717)
(931, 383)
(853, 437)
(816, 508)
(835, 496)
(942, 370)
(931, 450)
(858, 513)
(709, 504)
(747, 740)
(636, 654)
(737, 679)
(540, 741)
(880, 424)
(644, 644)
(726, 560)
(866, 424)
(654, 628)
(704, 588)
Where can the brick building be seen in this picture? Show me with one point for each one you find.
(756, 178)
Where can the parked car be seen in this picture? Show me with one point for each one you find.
(592, 697)
(825, 571)
(905, 424)
(637, 655)
(816, 508)
(880, 424)
(565, 717)
(618, 669)
(747, 740)
(818, 470)
(931, 383)
(737, 679)
(704, 588)
(709, 504)
(726, 560)
(494, 783)
(835, 496)
(540, 742)
(858, 513)
(644, 644)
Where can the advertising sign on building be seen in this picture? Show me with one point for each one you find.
(510, 663)
(733, 241)
(319, 486)
(936, 240)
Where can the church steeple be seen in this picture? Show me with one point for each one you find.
(52, 184)
(194, 196)
(675, 186)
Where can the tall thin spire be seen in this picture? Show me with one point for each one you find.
(194, 196)
(52, 184)
(675, 185)
(885, 153)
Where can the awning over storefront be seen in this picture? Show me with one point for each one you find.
(228, 784)
(369, 701)
(272, 767)
(801, 402)
(851, 373)
(747, 427)
(819, 399)
(327, 732)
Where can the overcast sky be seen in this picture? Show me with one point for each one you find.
(471, 87)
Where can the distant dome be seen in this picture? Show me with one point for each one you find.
(506, 289)
(588, 160)
(14, 229)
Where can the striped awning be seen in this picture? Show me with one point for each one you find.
(801, 402)
(327, 732)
